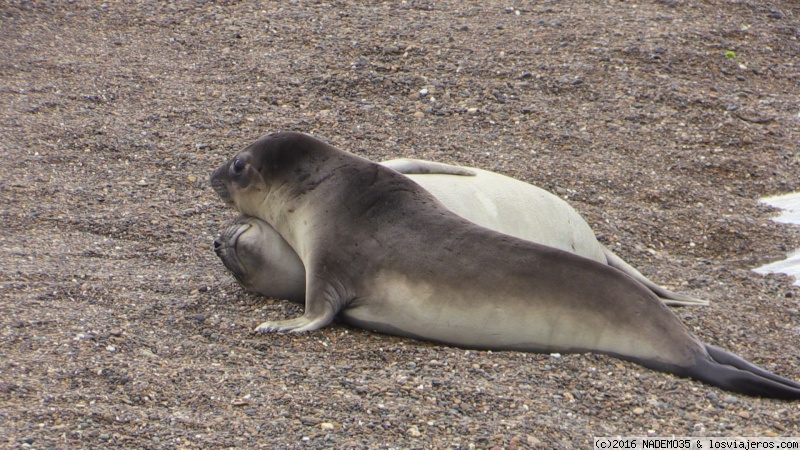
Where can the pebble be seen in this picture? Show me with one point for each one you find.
(533, 441)
(638, 411)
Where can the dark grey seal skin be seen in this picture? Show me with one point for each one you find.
(383, 254)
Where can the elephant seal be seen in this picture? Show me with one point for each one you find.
(383, 254)
(264, 263)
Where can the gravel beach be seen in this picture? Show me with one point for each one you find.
(661, 121)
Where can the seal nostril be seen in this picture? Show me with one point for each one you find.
(217, 244)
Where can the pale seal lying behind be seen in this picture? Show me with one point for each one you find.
(383, 254)
(264, 263)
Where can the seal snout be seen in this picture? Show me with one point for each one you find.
(221, 188)
(227, 242)
(219, 183)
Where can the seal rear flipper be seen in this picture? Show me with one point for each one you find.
(408, 166)
(669, 298)
(723, 357)
(727, 371)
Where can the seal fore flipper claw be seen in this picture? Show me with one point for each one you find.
(297, 325)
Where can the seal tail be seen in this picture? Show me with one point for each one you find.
(669, 298)
(730, 372)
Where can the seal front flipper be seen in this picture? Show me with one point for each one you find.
(296, 325)
(306, 322)
(323, 302)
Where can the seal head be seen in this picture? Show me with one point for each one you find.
(260, 260)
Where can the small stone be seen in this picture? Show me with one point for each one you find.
(413, 431)
(743, 414)
(326, 426)
(472, 110)
(730, 399)
(638, 411)
(419, 115)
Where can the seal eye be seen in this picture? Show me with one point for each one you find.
(238, 166)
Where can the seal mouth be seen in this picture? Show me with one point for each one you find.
(225, 248)
(221, 188)
(219, 184)
(230, 237)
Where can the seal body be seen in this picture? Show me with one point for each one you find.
(382, 253)
(486, 198)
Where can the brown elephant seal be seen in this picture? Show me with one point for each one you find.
(382, 253)
(264, 263)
